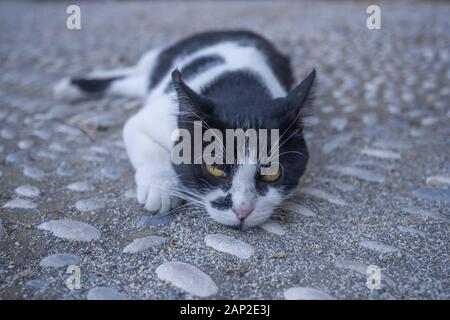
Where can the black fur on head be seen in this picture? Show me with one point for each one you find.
(239, 100)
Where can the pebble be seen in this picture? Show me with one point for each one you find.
(71, 230)
(25, 144)
(68, 130)
(57, 147)
(393, 144)
(352, 265)
(433, 194)
(370, 119)
(15, 159)
(336, 183)
(110, 173)
(7, 134)
(336, 142)
(429, 121)
(27, 191)
(147, 221)
(100, 150)
(81, 186)
(304, 293)
(20, 204)
(438, 180)
(64, 169)
(101, 121)
(357, 173)
(37, 284)
(322, 194)
(90, 204)
(230, 245)
(394, 109)
(426, 214)
(398, 122)
(311, 121)
(42, 134)
(414, 132)
(105, 293)
(273, 227)
(92, 158)
(339, 123)
(43, 154)
(372, 163)
(130, 194)
(378, 246)
(349, 109)
(328, 109)
(372, 131)
(379, 153)
(295, 207)
(144, 243)
(411, 231)
(33, 173)
(188, 278)
(59, 260)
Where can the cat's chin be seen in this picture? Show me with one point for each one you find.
(264, 209)
(225, 217)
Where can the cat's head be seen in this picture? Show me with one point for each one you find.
(244, 192)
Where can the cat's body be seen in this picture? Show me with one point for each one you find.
(231, 79)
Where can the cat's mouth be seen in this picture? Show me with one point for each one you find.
(230, 218)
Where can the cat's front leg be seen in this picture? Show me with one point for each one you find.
(153, 189)
(155, 177)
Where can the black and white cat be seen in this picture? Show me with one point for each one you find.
(229, 79)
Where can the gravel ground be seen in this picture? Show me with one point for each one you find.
(376, 192)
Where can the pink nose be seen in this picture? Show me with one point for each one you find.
(242, 213)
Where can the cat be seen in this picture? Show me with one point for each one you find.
(224, 79)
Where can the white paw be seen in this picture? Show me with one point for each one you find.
(154, 193)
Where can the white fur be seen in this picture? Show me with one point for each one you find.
(147, 140)
(243, 190)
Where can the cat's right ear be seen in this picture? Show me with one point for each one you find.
(189, 102)
(295, 100)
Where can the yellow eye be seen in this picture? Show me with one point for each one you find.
(215, 171)
(271, 177)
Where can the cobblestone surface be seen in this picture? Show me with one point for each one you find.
(376, 191)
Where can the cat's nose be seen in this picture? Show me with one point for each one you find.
(242, 212)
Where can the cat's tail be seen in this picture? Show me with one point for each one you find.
(128, 82)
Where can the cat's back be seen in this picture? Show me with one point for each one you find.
(201, 52)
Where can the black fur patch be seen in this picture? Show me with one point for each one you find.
(197, 66)
(200, 64)
(93, 85)
(223, 203)
(279, 63)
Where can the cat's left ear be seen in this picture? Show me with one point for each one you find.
(188, 100)
(297, 97)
